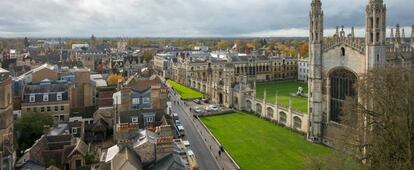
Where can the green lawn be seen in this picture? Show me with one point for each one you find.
(284, 89)
(258, 144)
(185, 92)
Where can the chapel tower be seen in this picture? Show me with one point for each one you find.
(315, 70)
(375, 30)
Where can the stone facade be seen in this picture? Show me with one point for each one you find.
(217, 77)
(336, 63)
(6, 122)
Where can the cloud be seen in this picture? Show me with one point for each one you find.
(181, 18)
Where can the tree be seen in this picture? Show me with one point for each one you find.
(30, 128)
(113, 79)
(379, 123)
(223, 45)
(304, 49)
(148, 55)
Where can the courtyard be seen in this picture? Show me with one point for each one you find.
(258, 144)
(185, 92)
(284, 89)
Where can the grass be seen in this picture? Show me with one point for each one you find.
(185, 92)
(284, 89)
(258, 144)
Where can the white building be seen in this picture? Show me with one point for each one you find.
(303, 69)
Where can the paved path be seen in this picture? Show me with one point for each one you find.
(204, 145)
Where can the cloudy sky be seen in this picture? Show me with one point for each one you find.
(182, 18)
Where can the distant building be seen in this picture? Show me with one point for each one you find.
(80, 46)
(303, 69)
(7, 151)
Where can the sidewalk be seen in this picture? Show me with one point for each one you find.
(224, 159)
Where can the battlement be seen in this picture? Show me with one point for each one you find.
(340, 38)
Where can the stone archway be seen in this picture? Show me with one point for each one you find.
(221, 99)
(297, 123)
(270, 112)
(249, 105)
(282, 117)
(259, 108)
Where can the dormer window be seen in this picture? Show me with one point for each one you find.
(32, 98)
(45, 97)
(146, 100)
(134, 119)
(135, 100)
(59, 96)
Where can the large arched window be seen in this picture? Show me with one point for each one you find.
(342, 86)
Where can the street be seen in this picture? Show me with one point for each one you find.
(204, 158)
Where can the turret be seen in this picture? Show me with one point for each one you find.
(397, 34)
(315, 71)
(375, 29)
(412, 36)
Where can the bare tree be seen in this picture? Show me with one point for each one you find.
(381, 121)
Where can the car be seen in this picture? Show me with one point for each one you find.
(197, 110)
(204, 100)
(198, 101)
(177, 122)
(212, 108)
(186, 143)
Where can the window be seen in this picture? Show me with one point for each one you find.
(56, 108)
(48, 109)
(62, 108)
(74, 131)
(146, 100)
(134, 119)
(59, 96)
(32, 98)
(150, 119)
(45, 97)
(35, 109)
(135, 100)
(342, 51)
(28, 109)
(42, 109)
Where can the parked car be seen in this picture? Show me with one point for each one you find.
(212, 108)
(198, 101)
(197, 110)
(205, 100)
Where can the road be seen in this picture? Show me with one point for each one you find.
(204, 158)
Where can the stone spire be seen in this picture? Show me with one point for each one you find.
(352, 32)
(316, 22)
(397, 34)
(403, 34)
(392, 34)
(337, 31)
(412, 34)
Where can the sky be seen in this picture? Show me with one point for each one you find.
(185, 18)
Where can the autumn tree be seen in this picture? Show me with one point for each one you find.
(113, 79)
(149, 54)
(224, 45)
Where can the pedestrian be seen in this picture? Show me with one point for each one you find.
(219, 152)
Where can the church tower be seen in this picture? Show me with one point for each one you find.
(375, 30)
(315, 71)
